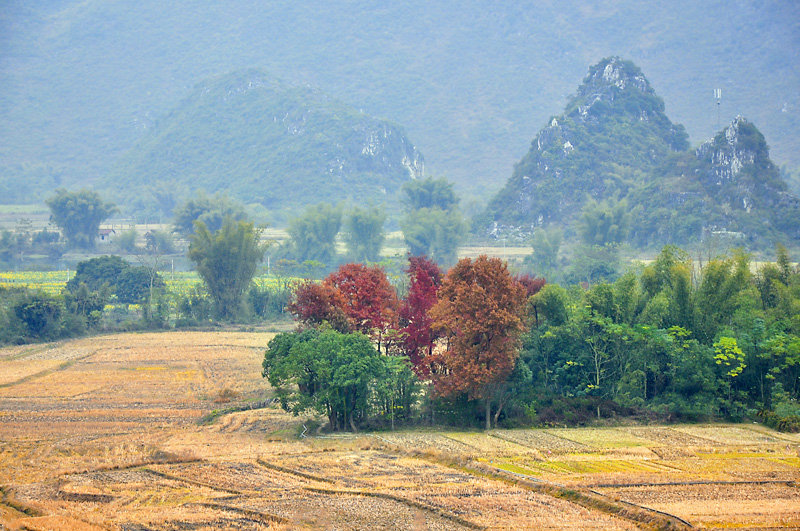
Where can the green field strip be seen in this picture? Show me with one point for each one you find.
(601, 438)
(793, 462)
(517, 469)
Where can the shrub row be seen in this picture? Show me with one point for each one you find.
(789, 423)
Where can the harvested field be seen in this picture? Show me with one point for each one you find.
(744, 506)
(176, 431)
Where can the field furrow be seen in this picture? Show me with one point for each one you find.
(178, 430)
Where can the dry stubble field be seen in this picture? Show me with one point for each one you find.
(105, 433)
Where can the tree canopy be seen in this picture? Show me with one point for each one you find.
(480, 312)
(79, 215)
(211, 210)
(226, 260)
(331, 373)
(313, 233)
(429, 193)
(364, 233)
(425, 278)
(370, 302)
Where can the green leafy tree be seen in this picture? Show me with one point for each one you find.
(731, 361)
(432, 225)
(313, 234)
(434, 233)
(603, 228)
(211, 210)
(724, 287)
(603, 223)
(126, 241)
(115, 276)
(327, 372)
(87, 304)
(429, 193)
(40, 315)
(594, 263)
(79, 215)
(98, 272)
(159, 241)
(364, 234)
(135, 285)
(226, 260)
(544, 258)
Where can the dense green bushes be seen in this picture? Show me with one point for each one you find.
(29, 316)
(669, 341)
(789, 423)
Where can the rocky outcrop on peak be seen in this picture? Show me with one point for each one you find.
(737, 146)
(612, 129)
(614, 142)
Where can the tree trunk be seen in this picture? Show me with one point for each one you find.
(497, 413)
(488, 414)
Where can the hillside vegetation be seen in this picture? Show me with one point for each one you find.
(264, 142)
(470, 81)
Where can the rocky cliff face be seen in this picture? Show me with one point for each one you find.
(612, 128)
(614, 142)
(729, 152)
(261, 141)
(735, 169)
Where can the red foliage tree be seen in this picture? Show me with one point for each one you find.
(425, 277)
(480, 312)
(532, 286)
(370, 302)
(314, 303)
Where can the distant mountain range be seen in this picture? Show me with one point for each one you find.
(84, 81)
(614, 145)
(261, 141)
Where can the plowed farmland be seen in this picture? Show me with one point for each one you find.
(177, 431)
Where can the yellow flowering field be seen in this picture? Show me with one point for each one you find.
(51, 282)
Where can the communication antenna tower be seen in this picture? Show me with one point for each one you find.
(718, 97)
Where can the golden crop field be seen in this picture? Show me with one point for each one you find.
(175, 430)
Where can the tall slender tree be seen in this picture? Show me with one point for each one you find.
(226, 260)
(79, 215)
(364, 233)
(313, 234)
(425, 278)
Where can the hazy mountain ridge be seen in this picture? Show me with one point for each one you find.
(469, 81)
(614, 142)
(264, 142)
